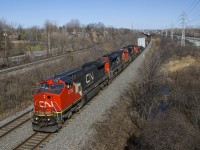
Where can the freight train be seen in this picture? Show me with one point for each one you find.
(63, 94)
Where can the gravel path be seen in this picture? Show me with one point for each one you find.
(79, 129)
(74, 136)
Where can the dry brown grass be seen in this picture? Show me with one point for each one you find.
(168, 130)
(185, 95)
(179, 63)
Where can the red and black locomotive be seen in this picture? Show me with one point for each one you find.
(63, 94)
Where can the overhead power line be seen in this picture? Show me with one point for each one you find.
(194, 18)
(193, 6)
(195, 13)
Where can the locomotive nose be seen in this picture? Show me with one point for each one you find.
(44, 104)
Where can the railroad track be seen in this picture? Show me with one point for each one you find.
(28, 65)
(14, 124)
(35, 141)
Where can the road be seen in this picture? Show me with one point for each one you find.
(194, 40)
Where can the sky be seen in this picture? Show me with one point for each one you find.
(136, 14)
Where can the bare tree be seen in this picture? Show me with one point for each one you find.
(73, 25)
(60, 41)
(31, 37)
(5, 41)
(35, 31)
(1, 35)
(50, 27)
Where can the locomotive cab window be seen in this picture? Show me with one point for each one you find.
(56, 86)
(44, 86)
(50, 88)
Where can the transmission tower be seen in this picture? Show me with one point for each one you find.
(183, 22)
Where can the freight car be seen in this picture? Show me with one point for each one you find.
(63, 94)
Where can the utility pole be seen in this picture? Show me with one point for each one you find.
(166, 33)
(183, 21)
(5, 58)
(172, 33)
(5, 44)
(49, 44)
(36, 36)
(49, 39)
(132, 26)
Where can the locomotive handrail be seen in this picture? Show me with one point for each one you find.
(57, 111)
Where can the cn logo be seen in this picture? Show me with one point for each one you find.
(44, 104)
(89, 77)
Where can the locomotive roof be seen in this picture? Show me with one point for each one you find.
(113, 55)
(68, 73)
(95, 63)
(130, 45)
(74, 73)
(66, 76)
(119, 51)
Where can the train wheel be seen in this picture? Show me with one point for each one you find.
(70, 114)
(82, 103)
(109, 82)
(106, 83)
(102, 86)
(77, 108)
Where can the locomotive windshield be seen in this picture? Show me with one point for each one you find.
(50, 88)
(44, 86)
